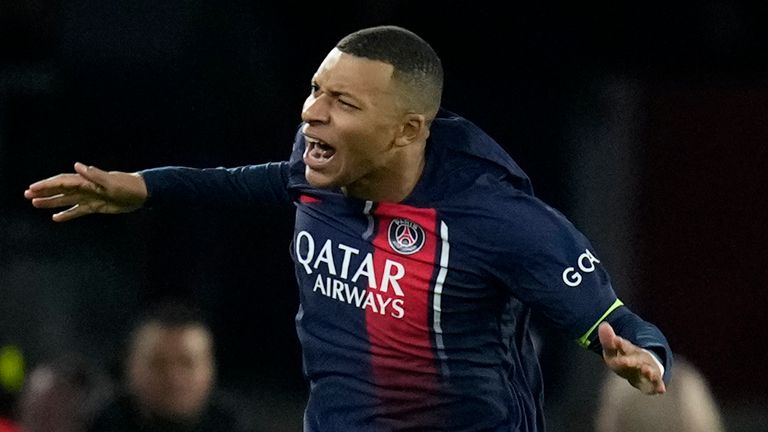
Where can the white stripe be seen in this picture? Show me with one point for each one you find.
(444, 254)
(367, 211)
(656, 359)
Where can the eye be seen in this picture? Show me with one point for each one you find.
(314, 87)
(346, 104)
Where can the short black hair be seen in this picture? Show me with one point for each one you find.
(173, 313)
(416, 64)
(168, 313)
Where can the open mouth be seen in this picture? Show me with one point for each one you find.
(317, 151)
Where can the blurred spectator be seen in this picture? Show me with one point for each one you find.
(687, 406)
(170, 379)
(63, 395)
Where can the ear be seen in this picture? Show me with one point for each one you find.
(414, 129)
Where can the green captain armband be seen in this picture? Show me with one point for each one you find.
(584, 339)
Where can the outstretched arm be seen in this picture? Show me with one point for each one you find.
(636, 365)
(89, 190)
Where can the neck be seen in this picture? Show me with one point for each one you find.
(393, 182)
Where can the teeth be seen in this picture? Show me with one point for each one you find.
(313, 141)
(318, 148)
(317, 143)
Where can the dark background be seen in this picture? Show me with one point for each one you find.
(646, 124)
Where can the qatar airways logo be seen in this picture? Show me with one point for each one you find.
(339, 268)
(586, 264)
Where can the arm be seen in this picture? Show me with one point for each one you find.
(553, 269)
(218, 187)
(91, 190)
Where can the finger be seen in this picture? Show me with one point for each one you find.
(625, 347)
(608, 338)
(649, 372)
(653, 375)
(625, 366)
(60, 200)
(54, 185)
(72, 213)
(645, 385)
(650, 385)
(638, 362)
(617, 344)
(92, 174)
(639, 372)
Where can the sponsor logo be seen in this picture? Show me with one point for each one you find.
(586, 264)
(406, 237)
(347, 275)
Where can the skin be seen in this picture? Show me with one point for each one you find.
(377, 141)
(630, 361)
(90, 190)
(355, 107)
(170, 370)
(358, 109)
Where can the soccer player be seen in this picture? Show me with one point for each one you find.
(419, 249)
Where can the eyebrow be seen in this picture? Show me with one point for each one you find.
(336, 93)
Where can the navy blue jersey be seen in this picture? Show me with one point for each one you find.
(413, 316)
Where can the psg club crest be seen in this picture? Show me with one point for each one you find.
(405, 237)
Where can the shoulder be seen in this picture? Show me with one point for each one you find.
(505, 214)
(117, 416)
(461, 158)
(460, 144)
(231, 412)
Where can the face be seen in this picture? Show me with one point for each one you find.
(352, 122)
(171, 370)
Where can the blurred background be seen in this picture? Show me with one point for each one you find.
(645, 123)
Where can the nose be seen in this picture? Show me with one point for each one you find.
(315, 109)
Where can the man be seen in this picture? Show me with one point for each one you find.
(170, 379)
(420, 251)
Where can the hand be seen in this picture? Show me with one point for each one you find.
(630, 361)
(89, 190)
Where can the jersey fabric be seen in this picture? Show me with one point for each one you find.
(414, 315)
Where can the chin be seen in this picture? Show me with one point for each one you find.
(320, 181)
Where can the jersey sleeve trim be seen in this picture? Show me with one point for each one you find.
(584, 339)
(656, 359)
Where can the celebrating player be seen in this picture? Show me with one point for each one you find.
(420, 252)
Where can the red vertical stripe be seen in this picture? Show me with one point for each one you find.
(404, 366)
